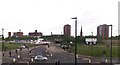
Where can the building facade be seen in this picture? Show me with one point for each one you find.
(91, 40)
(9, 34)
(35, 34)
(18, 34)
(67, 30)
(103, 31)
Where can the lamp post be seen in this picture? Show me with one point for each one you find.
(91, 43)
(3, 39)
(111, 47)
(75, 39)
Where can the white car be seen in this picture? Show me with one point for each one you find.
(39, 57)
(23, 46)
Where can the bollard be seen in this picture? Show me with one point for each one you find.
(3, 54)
(89, 61)
(20, 49)
(31, 59)
(16, 51)
(48, 45)
(58, 62)
(30, 51)
(77, 56)
(27, 63)
(46, 50)
(51, 55)
(10, 53)
(18, 56)
(106, 60)
(14, 60)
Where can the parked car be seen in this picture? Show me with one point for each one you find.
(41, 58)
(22, 46)
(65, 46)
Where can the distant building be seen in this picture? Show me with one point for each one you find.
(67, 30)
(103, 31)
(9, 34)
(35, 34)
(81, 32)
(18, 34)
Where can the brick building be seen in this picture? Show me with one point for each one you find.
(67, 30)
(103, 31)
(18, 34)
(34, 34)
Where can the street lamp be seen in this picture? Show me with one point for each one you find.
(3, 39)
(75, 39)
(91, 43)
(111, 47)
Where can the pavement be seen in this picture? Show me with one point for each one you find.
(7, 59)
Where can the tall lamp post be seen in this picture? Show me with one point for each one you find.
(2, 39)
(75, 39)
(91, 43)
(111, 47)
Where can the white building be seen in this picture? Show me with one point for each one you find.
(91, 40)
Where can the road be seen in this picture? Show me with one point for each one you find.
(62, 55)
(58, 54)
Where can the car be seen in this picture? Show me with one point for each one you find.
(64, 46)
(46, 43)
(22, 46)
(41, 58)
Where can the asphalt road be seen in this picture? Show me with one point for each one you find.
(62, 55)
(58, 54)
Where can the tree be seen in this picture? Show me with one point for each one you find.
(80, 39)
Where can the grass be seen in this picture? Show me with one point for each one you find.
(11, 46)
(97, 50)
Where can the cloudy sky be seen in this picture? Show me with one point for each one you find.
(48, 16)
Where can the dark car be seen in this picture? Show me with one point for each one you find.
(64, 46)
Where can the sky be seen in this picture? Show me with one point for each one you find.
(48, 16)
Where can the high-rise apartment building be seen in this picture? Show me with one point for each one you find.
(103, 31)
(67, 30)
